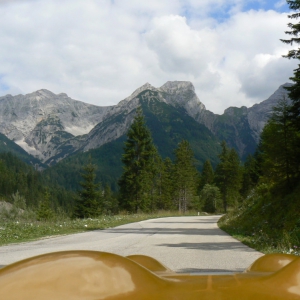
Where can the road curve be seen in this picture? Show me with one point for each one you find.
(184, 244)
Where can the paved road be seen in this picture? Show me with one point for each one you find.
(184, 244)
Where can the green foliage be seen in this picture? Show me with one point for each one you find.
(211, 197)
(267, 220)
(207, 175)
(170, 125)
(110, 205)
(185, 176)
(19, 201)
(8, 146)
(45, 211)
(107, 158)
(17, 176)
(233, 127)
(294, 90)
(279, 147)
(89, 200)
(228, 176)
(139, 158)
(251, 173)
(166, 186)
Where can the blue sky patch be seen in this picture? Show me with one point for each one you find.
(277, 5)
(3, 86)
(224, 13)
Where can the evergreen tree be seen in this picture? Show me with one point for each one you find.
(136, 182)
(88, 203)
(155, 176)
(185, 176)
(45, 211)
(279, 147)
(251, 175)
(207, 175)
(166, 186)
(110, 202)
(294, 90)
(228, 175)
(210, 196)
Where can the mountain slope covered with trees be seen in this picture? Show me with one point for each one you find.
(269, 217)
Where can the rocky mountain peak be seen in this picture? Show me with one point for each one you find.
(175, 87)
(63, 95)
(40, 94)
(259, 113)
(146, 86)
(182, 94)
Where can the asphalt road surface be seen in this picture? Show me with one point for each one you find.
(184, 244)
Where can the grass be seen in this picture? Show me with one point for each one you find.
(23, 229)
(262, 240)
(266, 221)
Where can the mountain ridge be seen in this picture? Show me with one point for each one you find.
(52, 127)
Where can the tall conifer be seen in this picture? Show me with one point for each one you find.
(136, 182)
(167, 184)
(294, 32)
(228, 175)
(185, 175)
(207, 175)
(88, 204)
(279, 147)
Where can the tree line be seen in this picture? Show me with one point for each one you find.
(26, 187)
(150, 183)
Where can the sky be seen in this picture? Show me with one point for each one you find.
(100, 51)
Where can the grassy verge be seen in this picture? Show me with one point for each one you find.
(266, 221)
(261, 240)
(23, 230)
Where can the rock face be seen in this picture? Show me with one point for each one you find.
(41, 120)
(241, 127)
(51, 127)
(118, 118)
(182, 93)
(259, 113)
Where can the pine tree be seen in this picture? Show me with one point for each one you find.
(185, 176)
(45, 211)
(207, 175)
(294, 90)
(155, 177)
(279, 147)
(228, 175)
(166, 185)
(88, 203)
(110, 202)
(136, 182)
(210, 197)
(251, 175)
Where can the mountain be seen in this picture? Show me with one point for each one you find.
(52, 127)
(168, 125)
(40, 121)
(241, 127)
(6, 145)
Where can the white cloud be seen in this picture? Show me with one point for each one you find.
(100, 51)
